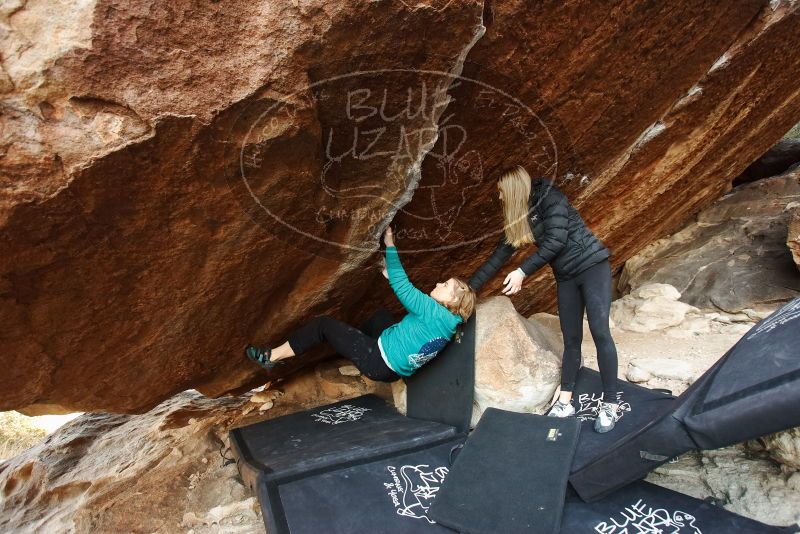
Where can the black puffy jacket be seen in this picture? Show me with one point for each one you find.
(563, 238)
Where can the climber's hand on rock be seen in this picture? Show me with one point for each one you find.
(513, 283)
(388, 237)
(384, 271)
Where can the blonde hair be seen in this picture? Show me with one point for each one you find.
(516, 188)
(465, 300)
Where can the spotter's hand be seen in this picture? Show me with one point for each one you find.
(513, 283)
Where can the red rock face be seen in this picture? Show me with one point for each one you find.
(659, 116)
(178, 181)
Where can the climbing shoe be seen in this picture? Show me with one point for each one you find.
(607, 417)
(561, 409)
(261, 356)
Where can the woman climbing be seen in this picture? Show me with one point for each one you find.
(535, 209)
(383, 349)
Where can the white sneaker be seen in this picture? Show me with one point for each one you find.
(607, 417)
(561, 409)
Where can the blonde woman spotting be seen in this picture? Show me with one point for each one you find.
(535, 210)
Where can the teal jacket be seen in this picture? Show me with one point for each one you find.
(423, 332)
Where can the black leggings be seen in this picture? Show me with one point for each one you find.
(590, 290)
(358, 346)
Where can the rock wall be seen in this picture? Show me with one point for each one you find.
(793, 233)
(639, 147)
(733, 257)
(171, 188)
(131, 267)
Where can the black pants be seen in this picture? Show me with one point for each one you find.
(358, 346)
(590, 290)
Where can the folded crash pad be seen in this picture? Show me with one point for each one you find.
(390, 494)
(443, 390)
(644, 508)
(753, 390)
(360, 428)
(511, 475)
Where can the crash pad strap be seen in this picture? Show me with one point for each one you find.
(511, 475)
(443, 389)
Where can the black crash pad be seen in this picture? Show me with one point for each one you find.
(511, 475)
(638, 405)
(389, 495)
(355, 429)
(443, 390)
(644, 508)
(393, 495)
(753, 390)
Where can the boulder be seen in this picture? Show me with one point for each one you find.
(745, 484)
(349, 370)
(153, 154)
(644, 369)
(104, 473)
(656, 291)
(733, 257)
(793, 235)
(263, 396)
(630, 189)
(783, 447)
(517, 367)
(180, 179)
(650, 307)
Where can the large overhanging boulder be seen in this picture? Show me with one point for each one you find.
(176, 180)
(134, 262)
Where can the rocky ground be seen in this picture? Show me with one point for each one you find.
(166, 471)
